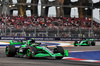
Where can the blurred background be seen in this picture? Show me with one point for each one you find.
(50, 18)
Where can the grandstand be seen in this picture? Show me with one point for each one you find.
(43, 26)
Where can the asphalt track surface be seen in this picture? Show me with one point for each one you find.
(15, 61)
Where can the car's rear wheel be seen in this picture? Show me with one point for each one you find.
(93, 43)
(59, 49)
(10, 51)
(31, 51)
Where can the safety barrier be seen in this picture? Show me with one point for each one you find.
(47, 38)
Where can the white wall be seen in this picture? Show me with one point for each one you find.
(96, 13)
(14, 1)
(28, 1)
(39, 8)
(74, 12)
(74, 0)
(15, 12)
(92, 0)
(52, 12)
(28, 12)
(95, 1)
(51, 0)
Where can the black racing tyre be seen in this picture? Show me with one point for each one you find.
(59, 49)
(93, 43)
(76, 42)
(31, 51)
(59, 57)
(10, 51)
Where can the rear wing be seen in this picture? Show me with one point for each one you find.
(14, 43)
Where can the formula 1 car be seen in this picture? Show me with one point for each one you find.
(34, 50)
(84, 42)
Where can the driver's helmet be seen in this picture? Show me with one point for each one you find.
(32, 40)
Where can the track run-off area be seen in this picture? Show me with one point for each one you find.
(78, 56)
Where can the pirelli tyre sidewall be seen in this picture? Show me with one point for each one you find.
(10, 51)
(30, 52)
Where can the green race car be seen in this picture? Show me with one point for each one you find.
(85, 42)
(34, 50)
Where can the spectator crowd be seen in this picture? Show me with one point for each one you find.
(19, 22)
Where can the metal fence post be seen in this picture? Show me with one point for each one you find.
(92, 21)
(46, 32)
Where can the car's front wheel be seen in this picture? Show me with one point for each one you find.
(31, 51)
(93, 43)
(59, 49)
(75, 43)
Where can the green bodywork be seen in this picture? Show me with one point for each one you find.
(14, 43)
(46, 52)
(7, 51)
(83, 42)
